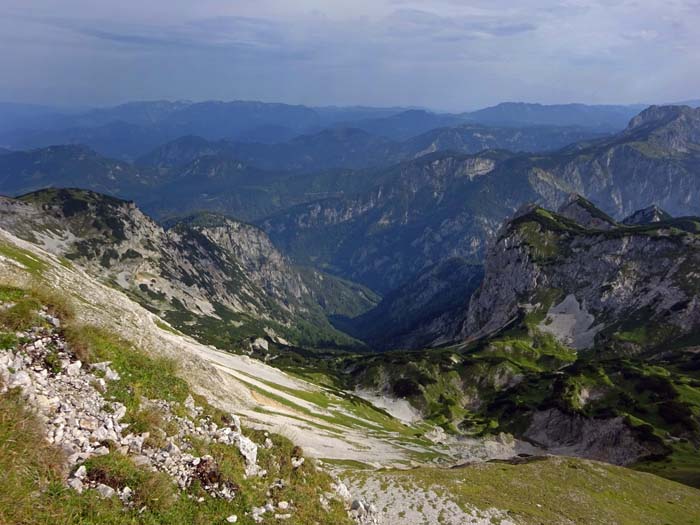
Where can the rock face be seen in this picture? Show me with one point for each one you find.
(647, 215)
(609, 440)
(416, 215)
(202, 268)
(588, 282)
(253, 251)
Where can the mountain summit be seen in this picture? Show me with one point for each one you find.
(674, 128)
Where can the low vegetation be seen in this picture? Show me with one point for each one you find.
(550, 490)
(33, 490)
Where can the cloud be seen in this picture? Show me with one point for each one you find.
(447, 53)
(459, 27)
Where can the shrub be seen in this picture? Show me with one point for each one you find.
(20, 316)
(405, 388)
(678, 413)
(151, 489)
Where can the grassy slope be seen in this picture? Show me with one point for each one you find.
(348, 417)
(32, 491)
(659, 395)
(556, 491)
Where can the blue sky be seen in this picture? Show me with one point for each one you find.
(445, 54)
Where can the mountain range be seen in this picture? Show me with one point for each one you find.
(130, 130)
(448, 205)
(518, 113)
(577, 336)
(512, 293)
(321, 200)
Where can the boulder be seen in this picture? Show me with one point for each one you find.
(73, 369)
(105, 491)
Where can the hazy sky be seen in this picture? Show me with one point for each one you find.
(445, 54)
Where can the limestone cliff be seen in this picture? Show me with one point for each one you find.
(208, 275)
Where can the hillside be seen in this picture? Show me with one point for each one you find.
(420, 311)
(416, 214)
(213, 277)
(71, 166)
(580, 339)
(76, 444)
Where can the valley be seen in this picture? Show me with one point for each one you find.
(457, 315)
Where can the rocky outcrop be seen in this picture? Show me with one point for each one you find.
(585, 281)
(647, 216)
(610, 440)
(70, 398)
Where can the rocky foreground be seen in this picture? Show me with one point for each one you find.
(72, 401)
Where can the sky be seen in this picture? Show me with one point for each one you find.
(441, 54)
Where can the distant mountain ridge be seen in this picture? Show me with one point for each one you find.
(71, 166)
(130, 130)
(355, 148)
(609, 118)
(445, 205)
